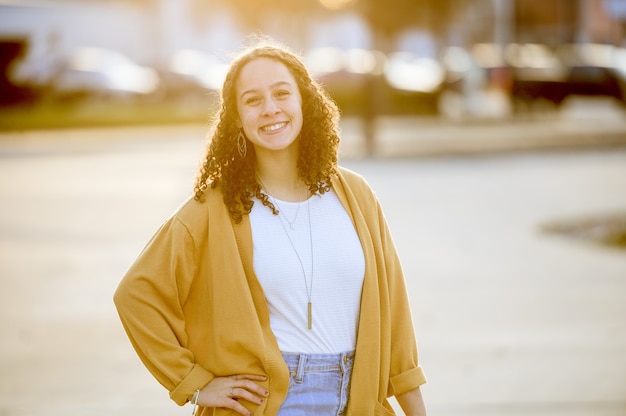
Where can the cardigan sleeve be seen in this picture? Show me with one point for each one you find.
(150, 300)
(398, 348)
(405, 372)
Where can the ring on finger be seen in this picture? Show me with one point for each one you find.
(231, 395)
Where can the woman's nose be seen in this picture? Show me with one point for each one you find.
(270, 107)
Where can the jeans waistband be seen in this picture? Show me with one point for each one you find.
(299, 364)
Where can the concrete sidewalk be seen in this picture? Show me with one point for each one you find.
(423, 137)
(510, 321)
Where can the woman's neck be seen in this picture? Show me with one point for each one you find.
(282, 182)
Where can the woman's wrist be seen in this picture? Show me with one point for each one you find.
(194, 401)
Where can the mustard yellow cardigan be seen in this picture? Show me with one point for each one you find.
(194, 310)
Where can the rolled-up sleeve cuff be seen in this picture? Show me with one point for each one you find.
(197, 378)
(407, 381)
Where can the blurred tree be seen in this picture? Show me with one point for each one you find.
(263, 16)
(254, 14)
(553, 22)
(391, 17)
(386, 19)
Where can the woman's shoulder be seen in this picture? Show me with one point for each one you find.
(194, 214)
(354, 180)
(189, 209)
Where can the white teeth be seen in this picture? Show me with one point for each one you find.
(274, 127)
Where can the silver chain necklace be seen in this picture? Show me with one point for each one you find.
(280, 210)
(307, 284)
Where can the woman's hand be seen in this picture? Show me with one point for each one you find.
(226, 391)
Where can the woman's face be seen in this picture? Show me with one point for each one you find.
(269, 105)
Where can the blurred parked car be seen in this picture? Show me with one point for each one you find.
(13, 89)
(348, 75)
(194, 73)
(102, 73)
(415, 83)
(531, 73)
(588, 70)
(582, 80)
(367, 82)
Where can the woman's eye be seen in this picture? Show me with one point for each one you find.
(252, 100)
(282, 93)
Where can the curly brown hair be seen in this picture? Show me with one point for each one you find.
(319, 138)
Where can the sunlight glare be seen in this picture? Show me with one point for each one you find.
(337, 4)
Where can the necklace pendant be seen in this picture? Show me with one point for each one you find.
(310, 315)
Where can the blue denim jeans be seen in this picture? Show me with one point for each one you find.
(318, 384)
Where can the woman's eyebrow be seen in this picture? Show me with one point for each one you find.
(274, 85)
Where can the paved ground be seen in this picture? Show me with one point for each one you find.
(511, 321)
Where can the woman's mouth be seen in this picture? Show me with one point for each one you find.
(273, 127)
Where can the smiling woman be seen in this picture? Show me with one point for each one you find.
(251, 296)
(270, 109)
(104, 70)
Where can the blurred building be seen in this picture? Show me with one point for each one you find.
(569, 21)
(407, 53)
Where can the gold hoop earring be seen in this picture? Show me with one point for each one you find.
(242, 145)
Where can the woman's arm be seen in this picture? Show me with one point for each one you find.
(149, 301)
(412, 403)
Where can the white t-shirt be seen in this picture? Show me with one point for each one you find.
(334, 285)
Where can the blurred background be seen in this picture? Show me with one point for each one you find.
(493, 132)
(99, 61)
